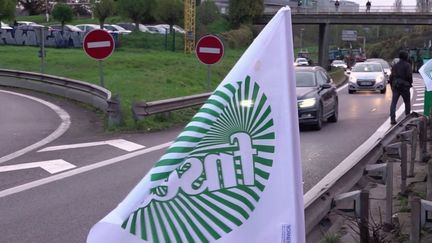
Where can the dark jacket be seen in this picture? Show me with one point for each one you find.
(401, 70)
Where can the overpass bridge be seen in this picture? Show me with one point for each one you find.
(377, 15)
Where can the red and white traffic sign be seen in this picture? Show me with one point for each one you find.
(98, 44)
(209, 49)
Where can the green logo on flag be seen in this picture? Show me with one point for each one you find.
(211, 178)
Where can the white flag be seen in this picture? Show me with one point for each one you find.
(426, 73)
(234, 173)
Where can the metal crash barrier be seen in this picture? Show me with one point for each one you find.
(142, 109)
(374, 163)
(84, 92)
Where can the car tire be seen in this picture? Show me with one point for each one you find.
(383, 91)
(335, 116)
(351, 91)
(318, 124)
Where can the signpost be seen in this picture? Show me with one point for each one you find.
(209, 51)
(99, 45)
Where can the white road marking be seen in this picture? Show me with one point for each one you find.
(62, 128)
(98, 44)
(420, 95)
(418, 111)
(80, 170)
(417, 105)
(52, 166)
(419, 99)
(209, 50)
(118, 143)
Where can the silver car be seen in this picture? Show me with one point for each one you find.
(367, 76)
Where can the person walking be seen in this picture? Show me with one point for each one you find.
(368, 6)
(401, 81)
(337, 5)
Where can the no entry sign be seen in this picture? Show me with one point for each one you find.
(98, 44)
(209, 49)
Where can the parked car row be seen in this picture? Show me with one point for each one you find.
(120, 28)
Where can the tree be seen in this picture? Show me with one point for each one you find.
(62, 13)
(208, 12)
(102, 10)
(136, 10)
(169, 11)
(7, 9)
(243, 11)
(34, 7)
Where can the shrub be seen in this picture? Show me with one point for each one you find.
(238, 38)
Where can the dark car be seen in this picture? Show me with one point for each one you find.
(317, 99)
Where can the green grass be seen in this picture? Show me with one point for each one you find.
(135, 74)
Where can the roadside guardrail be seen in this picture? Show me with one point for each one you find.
(84, 92)
(319, 201)
(142, 109)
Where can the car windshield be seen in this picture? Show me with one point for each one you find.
(369, 67)
(383, 63)
(305, 79)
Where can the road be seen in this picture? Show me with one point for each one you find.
(36, 206)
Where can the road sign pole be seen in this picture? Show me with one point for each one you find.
(209, 51)
(101, 76)
(42, 50)
(208, 76)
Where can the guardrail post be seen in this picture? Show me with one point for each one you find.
(409, 137)
(399, 151)
(389, 194)
(415, 220)
(404, 167)
(420, 122)
(364, 216)
(385, 173)
(114, 111)
(361, 210)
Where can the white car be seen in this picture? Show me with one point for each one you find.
(157, 29)
(367, 76)
(339, 64)
(301, 61)
(5, 26)
(117, 29)
(176, 28)
(88, 27)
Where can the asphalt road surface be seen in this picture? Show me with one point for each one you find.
(37, 206)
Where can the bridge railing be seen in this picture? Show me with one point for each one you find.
(361, 10)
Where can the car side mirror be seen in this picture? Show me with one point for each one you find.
(326, 86)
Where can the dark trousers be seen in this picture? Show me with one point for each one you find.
(405, 93)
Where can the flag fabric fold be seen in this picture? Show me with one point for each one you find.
(234, 173)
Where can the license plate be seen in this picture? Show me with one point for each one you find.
(366, 83)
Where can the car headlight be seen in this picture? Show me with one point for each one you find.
(379, 79)
(306, 103)
(352, 79)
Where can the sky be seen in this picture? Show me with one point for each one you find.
(386, 2)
